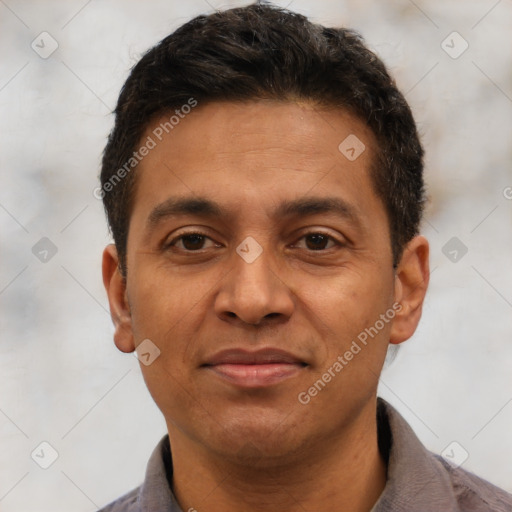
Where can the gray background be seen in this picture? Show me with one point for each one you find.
(61, 378)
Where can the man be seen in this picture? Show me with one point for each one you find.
(263, 184)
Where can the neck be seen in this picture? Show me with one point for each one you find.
(343, 473)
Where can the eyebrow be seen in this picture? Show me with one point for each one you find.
(207, 208)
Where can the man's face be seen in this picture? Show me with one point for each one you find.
(295, 265)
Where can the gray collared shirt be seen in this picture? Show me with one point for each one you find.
(417, 480)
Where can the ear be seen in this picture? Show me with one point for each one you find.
(411, 283)
(115, 285)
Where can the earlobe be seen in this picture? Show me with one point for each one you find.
(411, 283)
(115, 286)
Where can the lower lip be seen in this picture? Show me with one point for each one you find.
(256, 375)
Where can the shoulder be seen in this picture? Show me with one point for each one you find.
(474, 493)
(420, 480)
(129, 502)
(154, 493)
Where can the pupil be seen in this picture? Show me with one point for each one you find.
(196, 240)
(317, 239)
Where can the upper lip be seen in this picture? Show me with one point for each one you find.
(261, 356)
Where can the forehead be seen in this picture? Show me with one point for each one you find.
(307, 129)
(256, 153)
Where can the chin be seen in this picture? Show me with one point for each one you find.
(261, 441)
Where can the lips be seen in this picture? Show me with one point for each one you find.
(256, 369)
(262, 356)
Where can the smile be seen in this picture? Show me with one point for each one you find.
(256, 375)
(255, 369)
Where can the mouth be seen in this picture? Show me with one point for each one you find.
(257, 369)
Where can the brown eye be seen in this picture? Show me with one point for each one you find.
(318, 241)
(193, 242)
(189, 242)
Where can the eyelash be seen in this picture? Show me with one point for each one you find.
(173, 242)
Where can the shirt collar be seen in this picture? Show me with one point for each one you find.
(155, 493)
(416, 479)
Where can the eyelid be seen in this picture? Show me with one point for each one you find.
(315, 231)
(319, 231)
(171, 241)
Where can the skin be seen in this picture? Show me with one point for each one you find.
(259, 448)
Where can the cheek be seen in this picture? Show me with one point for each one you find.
(347, 306)
(166, 314)
(346, 316)
(160, 301)
(169, 310)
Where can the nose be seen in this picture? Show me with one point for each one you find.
(253, 293)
